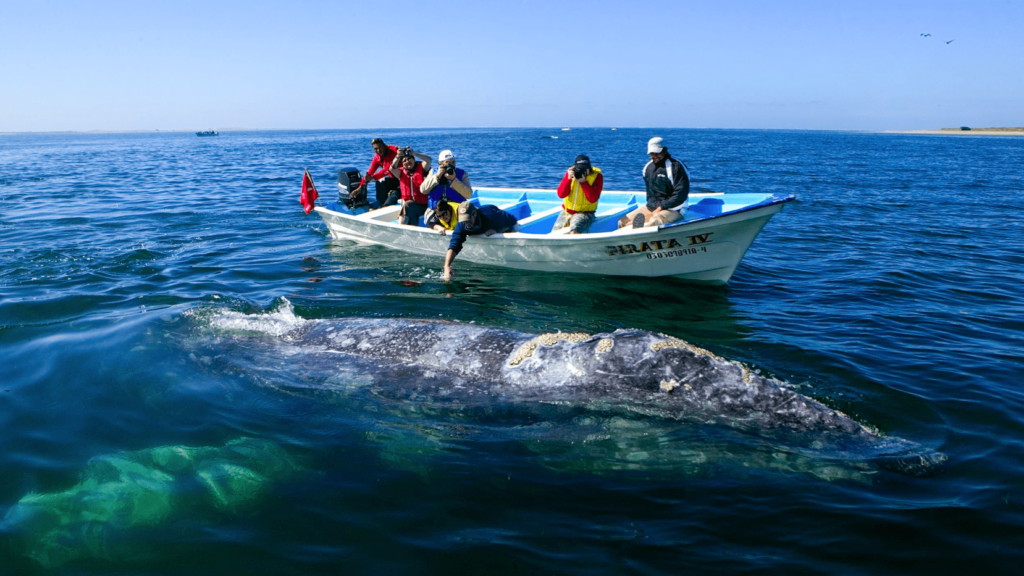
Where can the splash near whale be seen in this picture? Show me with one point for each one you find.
(626, 371)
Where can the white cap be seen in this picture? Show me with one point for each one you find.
(445, 155)
(654, 145)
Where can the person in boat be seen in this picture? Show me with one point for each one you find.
(668, 188)
(581, 188)
(487, 220)
(448, 182)
(442, 218)
(410, 175)
(387, 189)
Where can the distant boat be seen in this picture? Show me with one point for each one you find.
(566, 128)
(614, 128)
(207, 133)
(549, 137)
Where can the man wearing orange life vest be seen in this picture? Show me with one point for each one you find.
(581, 188)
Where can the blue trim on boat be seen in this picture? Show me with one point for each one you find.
(775, 198)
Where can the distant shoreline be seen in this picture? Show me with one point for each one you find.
(961, 132)
(183, 131)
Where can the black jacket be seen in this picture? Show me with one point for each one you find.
(663, 192)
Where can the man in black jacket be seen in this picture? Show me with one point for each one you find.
(668, 187)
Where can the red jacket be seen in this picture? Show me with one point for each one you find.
(410, 184)
(593, 193)
(383, 163)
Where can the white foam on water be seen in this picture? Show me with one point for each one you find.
(276, 323)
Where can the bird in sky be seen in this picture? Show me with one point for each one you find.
(950, 41)
(925, 34)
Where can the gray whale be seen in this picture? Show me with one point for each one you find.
(629, 370)
(105, 516)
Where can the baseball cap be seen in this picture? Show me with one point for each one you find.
(467, 212)
(445, 155)
(582, 161)
(655, 145)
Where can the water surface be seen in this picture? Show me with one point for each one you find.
(889, 289)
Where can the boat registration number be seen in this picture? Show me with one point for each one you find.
(674, 253)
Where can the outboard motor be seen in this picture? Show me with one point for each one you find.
(348, 180)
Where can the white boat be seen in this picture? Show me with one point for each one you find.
(706, 246)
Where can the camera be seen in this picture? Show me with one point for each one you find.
(578, 172)
(405, 153)
(449, 170)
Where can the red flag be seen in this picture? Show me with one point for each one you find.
(309, 194)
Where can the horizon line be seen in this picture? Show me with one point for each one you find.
(240, 129)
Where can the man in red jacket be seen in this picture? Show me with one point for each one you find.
(581, 188)
(379, 171)
(410, 175)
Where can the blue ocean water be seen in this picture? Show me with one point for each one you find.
(889, 290)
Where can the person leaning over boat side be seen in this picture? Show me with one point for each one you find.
(581, 188)
(379, 171)
(410, 175)
(447, 182)
(442, 218)
(486, 220)
(668, 188)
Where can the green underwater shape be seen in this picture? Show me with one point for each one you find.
(129, 491)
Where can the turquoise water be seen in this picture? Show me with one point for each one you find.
(889, 290)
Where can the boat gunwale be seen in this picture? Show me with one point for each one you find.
(770, 200)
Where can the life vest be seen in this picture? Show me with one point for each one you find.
(450, 225)
(410, 191)
(577, 200)
(446, 191)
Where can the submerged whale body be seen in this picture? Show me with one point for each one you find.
(120, 495)
(627, 369)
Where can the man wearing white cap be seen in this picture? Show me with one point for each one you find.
(668, 189)
(446, 182)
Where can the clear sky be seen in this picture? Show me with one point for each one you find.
(382, 64)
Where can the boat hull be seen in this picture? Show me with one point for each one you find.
(706, 250)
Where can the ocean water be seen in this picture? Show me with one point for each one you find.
(141, 433)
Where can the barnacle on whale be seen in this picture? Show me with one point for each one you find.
(526, 350)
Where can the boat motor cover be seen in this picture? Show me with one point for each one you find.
(348, 178)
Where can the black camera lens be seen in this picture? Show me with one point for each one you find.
(449, 170)
(578, 172)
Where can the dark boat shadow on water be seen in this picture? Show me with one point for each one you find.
(541, 301)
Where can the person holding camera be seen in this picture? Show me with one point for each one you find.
(487, 220)
(581, 188)
(379, 172)
(447, 182)
(668, 189)
(410, 175)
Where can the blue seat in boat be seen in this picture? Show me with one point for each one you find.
(520, 209)
(541, 225)
(707, 207)
(609, 221)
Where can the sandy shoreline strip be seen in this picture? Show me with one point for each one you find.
(959, 132)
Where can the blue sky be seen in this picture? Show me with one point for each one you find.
(730, 64)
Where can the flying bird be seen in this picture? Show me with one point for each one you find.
(925, 34)
(950, 41)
